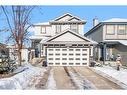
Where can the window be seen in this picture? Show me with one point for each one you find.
(70, 53)
(57, 58)
(70, 63)
(121, 29)
(64, 58)
(57, 54)
(80, 45)
(74, 45)
(77, 53)
(62, 45)
(56, 45)
(74, 27)
(50, 49)
(71, 59)
(77, 58)
(84, 63)
(77, 63)
(64, 54)
(50, 58)
(57, 63)
(43, 30)
(110, 29)
(77, 49)
(84, 54)
(58, 28)
(57, 49)
(64, 63)
(84, 49)
(50, 54)
(64, 49)
(84, 59)
(70, 49)
(50, 63)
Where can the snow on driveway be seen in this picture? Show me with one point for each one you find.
(121, 75)
(22, 79)
(51, 84)
(80, 81)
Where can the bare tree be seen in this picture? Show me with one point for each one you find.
(18, 22)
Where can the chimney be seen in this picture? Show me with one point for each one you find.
(95, 21)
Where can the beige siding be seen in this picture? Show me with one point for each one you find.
(114, 36)
(47, 30)
(68, 37)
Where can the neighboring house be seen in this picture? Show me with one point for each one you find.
(62, 42)
(112, 38)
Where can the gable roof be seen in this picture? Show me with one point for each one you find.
(72, 32)
(74, 18)
(69, 18)
(67, 14)
(109, 21)
(115, 20)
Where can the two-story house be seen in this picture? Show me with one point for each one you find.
(112, 38)
(62, 42)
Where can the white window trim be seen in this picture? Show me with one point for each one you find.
(113, 31)
(58, 30)
(118, 30)
(44, 29)
(74, 28)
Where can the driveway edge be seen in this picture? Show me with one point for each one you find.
(124, 86)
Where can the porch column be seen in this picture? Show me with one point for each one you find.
(99, 53)
(40, 50)
(33, 44)
(94, 52)
(104, 53)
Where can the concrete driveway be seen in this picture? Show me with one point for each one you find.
(73, 78)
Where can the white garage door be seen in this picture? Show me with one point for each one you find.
(68, 56)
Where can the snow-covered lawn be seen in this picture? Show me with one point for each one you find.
(111, 72)
(22, 78)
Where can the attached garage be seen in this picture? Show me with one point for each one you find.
(68, 49)
(67, 56)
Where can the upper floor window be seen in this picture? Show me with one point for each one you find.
(43, 30)
(121, 29)
(58, 28)
(110, 29)
(74, 27)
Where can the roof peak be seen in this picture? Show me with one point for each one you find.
(68, 18)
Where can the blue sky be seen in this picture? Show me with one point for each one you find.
(85, 12)
(46, 13)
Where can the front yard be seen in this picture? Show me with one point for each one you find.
(36, 77)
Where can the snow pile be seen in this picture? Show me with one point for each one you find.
(51, 84)
(22, 79)
(21, 69)
(121, 75)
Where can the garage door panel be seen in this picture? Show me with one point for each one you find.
(67, 56)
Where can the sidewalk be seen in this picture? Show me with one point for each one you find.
(119, 77)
